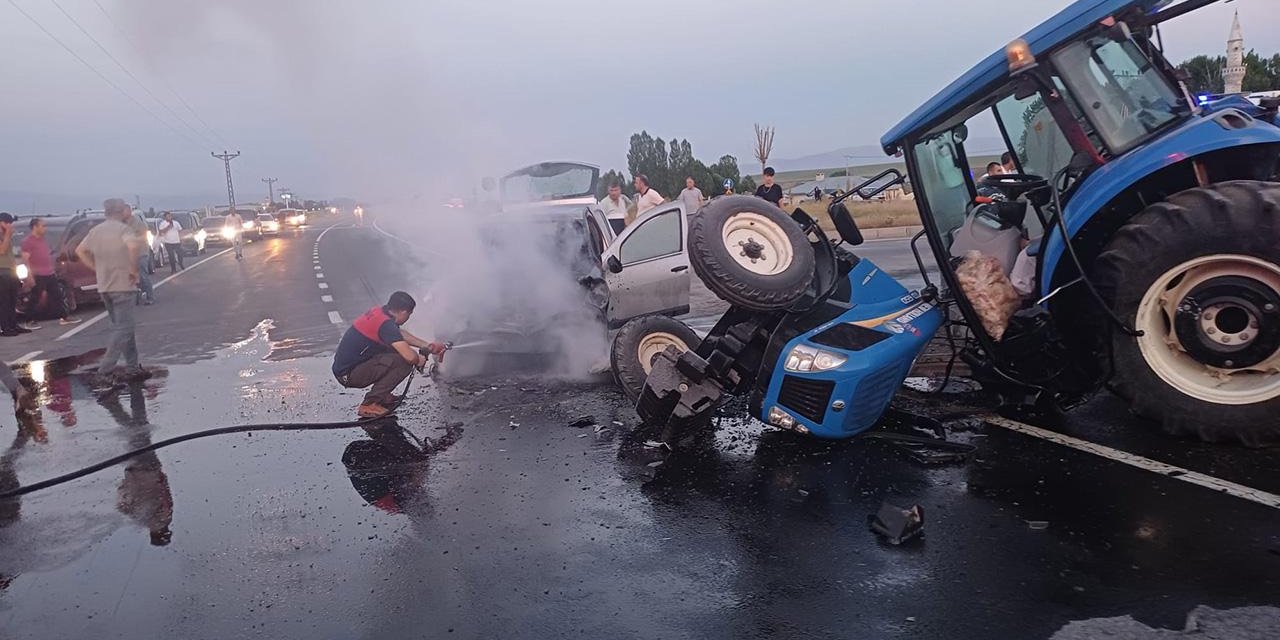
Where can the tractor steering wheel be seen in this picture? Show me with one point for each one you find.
(1014, 185)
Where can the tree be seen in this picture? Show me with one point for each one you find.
(1260, 74)
(1205, 73)
(764, 145)
(747, 185)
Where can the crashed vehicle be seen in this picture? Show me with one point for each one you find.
(563, 275)
(1144, 225)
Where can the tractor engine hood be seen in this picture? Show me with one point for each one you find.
(1211, 131)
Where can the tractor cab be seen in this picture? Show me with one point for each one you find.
(1030, 173)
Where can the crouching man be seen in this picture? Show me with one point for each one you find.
(375, 352)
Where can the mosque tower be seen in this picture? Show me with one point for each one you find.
(1233, 73)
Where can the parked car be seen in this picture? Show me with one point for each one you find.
(267, 225)
(193, 235)
(216, 231)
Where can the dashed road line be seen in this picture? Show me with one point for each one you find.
(1167, 470)
(88, 323)
(317, 267)
(326, 298)
(27, 357)
(323, 285)
(334, 317)
(320, 276)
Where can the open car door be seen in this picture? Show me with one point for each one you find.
(647, 268)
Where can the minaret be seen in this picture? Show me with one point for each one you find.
(1233, 73)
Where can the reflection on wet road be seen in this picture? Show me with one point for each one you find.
(481, 513)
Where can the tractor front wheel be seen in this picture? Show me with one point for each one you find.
(639, 342)
(1199, 276)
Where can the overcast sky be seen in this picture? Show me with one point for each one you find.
(375, 97)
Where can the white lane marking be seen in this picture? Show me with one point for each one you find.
(326, 298)
(323, 286)
(88, 323)
(334, 317)
(317, 267)
(1167, 470)
(320, 276)
(26, 358)
(327, 230)
(397, 239)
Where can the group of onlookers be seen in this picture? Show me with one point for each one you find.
(621, 211)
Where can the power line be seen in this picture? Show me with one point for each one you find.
(160, 77)
(104, 78)
(129, 73)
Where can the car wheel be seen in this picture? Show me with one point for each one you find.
(639, 342)
(750, 253)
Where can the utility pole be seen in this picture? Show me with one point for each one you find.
(271, 193)
(848, 183)
(226, 159)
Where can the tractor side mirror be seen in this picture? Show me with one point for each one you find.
(845, 226)
(614, 264)
(488, 183)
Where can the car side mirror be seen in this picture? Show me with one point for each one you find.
(614, 264)
(844, 223)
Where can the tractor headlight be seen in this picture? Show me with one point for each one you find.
(806, 358)
(228, 232)
(23, 272)
(780, 418)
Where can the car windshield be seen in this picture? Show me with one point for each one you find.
(1119, 89)
(1039, 143)
(266, 217)
(213, 223)
(549, 181)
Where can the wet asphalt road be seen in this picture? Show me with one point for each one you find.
(516, 525)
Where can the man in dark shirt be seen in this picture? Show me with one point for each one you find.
(375, 352)
(770, 191)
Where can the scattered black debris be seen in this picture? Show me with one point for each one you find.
(897, 524)
(583, 421)
(513, 425)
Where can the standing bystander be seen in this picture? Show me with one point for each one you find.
(171, 237)
(615, 206)
(691, 197)
(111, 249)
(39, 259)
(646, 198)
(146, 292)
(236, 223)
(770, 191)
(9, 283)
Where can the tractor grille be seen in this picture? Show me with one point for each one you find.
(808, 398)
(871, 397)
(850, 337)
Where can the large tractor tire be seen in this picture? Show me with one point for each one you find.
(750, 254)
(638, 342)
(1199, 275)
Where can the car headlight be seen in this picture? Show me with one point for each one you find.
(23, 272)
(228, 232)
(151, 238)
(272, 225)
(247, 225)
(806, 358)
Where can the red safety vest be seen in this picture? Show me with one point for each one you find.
(369, 323)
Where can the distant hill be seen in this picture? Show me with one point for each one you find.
(865, 155)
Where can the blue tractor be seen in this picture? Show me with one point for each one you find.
(1130, 241)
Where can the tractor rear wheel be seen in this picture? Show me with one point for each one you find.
(1199, 275)
(750, 253)
(638, 342)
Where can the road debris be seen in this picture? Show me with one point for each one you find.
(513, 424)
(1038, 525)
(583, 421)
(897, 525)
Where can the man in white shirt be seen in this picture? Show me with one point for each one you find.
(615, 207)
(646, 198)
(170, 232)
(234, 221)
(691, 197)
